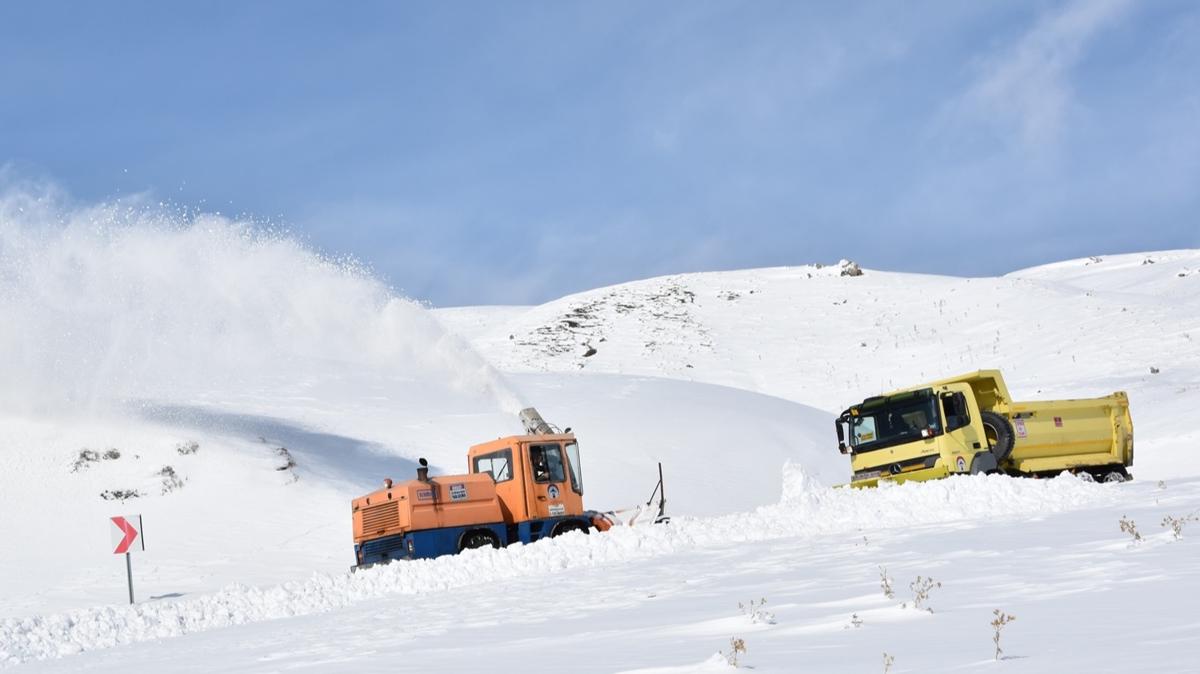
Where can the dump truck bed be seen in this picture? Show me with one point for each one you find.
(1055, 435)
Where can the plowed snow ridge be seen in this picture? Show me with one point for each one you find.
(806, 510)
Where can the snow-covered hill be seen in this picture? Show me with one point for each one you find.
(815, 336)
(237, 390)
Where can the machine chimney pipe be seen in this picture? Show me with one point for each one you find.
(423, 470)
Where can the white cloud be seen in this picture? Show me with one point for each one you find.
(1026, 87)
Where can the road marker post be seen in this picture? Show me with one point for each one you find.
(127, 538)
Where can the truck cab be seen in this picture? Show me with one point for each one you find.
(536, 476)
(919, 434)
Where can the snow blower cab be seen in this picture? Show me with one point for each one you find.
(538, 476)
(519, 488)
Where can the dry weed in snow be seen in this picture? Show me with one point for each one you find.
(998, 622)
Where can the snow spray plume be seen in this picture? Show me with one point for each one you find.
(130, 301)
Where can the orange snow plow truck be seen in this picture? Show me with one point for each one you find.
(519, 489)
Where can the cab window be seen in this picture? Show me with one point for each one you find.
(547, 463)
(497, 464)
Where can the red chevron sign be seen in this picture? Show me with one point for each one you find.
(127, 535)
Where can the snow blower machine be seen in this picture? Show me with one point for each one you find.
(520, 488)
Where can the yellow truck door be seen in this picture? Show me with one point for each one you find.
(964, 437)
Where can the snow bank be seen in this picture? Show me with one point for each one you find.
(120, 301)
(807, 510)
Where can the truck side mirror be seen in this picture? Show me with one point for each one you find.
(841, 437)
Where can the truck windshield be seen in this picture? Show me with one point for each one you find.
(894, 424)
(576, 470)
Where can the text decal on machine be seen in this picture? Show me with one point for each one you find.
(458, 492)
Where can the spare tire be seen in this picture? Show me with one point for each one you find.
(999, 433)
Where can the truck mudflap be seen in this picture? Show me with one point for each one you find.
(984, 462)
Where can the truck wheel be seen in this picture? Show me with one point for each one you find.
(999, 433)
(478, 538)
(569, 526)
(1115, 474)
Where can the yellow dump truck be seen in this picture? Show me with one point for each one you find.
(970, 424)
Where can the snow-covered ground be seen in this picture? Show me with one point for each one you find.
(1086, 596)
(237, 390)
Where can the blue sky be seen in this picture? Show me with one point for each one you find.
(483, 152)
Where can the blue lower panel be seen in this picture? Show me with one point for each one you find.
(432, 543)
(425, 544)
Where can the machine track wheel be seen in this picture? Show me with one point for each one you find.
(1000, 435)
(564, 527)
(478, 538)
